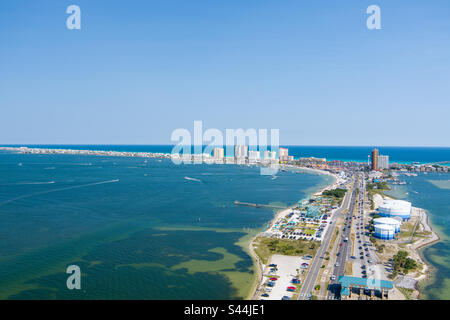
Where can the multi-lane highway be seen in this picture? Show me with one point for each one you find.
(311, 277)
(345, 242)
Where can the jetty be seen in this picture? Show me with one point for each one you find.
(258, 205)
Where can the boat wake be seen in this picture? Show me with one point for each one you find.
(192, 179)
(56, 190)
(25, 183)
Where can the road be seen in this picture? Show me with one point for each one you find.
(366, 260)
(343, 252)
(311, 277)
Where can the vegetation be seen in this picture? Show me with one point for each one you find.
(378, 185)
(265, 247)
(402, 263)
(335, 193)
(317, 287)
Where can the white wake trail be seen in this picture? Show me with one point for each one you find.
(56, 190)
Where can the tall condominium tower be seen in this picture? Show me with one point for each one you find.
(375, 159)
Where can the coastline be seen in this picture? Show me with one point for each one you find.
(428, 269)
(418, 246)
(256, 260)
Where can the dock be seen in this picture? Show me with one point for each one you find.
(258, 205)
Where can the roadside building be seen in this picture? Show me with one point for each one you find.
(357, 285)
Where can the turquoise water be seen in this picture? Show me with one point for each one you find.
(137, 228)
(432, 192)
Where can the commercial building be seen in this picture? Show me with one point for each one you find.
(352, 284)
(374, 165)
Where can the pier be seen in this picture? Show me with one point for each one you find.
(258, 205)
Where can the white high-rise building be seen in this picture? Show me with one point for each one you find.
(241, 152)
(254, 155)
(383, 162)
(284, 155)
(270, 155)
(218, 153)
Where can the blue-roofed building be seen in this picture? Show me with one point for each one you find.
(352, 284)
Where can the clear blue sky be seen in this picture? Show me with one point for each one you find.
(139, 69)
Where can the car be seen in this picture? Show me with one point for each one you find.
(286, 298)
(336, 264)
(333, 277)
(353, 257)
(264, 295)
(274, 279)
(369, 261)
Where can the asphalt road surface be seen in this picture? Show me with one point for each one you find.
(344, 251)
(311, 277)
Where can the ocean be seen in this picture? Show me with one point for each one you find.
(137, 228)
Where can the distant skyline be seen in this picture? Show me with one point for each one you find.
(137, 70)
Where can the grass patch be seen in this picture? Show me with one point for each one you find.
(265, 247)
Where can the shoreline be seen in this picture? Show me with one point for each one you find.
(256, 260)
(417, 248)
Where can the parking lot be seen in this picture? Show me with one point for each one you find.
(287, 270)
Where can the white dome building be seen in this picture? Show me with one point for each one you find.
(384, 232)
(388, 221)
(395, 208)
